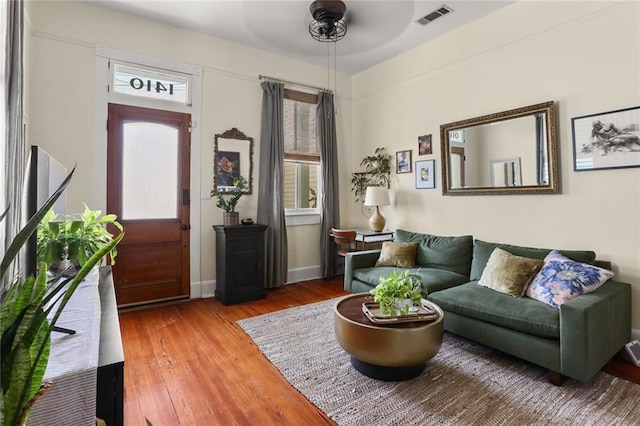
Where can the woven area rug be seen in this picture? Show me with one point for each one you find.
(465, 384)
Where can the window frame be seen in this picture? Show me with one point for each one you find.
(304, 216)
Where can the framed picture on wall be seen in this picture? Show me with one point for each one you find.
(425, 174)
(424, 145)
(606, 140)
(403, 161)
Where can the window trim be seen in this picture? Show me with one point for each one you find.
(304, 216)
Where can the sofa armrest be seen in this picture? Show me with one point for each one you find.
(358, 260)
(593, 328)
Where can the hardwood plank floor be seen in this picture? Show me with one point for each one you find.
(188, 363)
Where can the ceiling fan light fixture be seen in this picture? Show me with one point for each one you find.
(328, 24)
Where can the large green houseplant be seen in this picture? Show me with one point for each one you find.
(74, 239)
(396, 288)
(29, 309)
(377, 172)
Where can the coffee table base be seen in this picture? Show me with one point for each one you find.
(389, 374)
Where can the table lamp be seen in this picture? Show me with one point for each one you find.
(376, 196)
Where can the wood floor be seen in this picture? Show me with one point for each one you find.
(188, 363)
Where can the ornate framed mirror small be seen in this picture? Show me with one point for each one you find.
(233, 157)
(509, 152)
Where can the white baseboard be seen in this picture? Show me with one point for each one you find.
(206, 289)
(303, 274)
(203, 289)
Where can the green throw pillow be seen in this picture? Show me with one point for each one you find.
(508, 273)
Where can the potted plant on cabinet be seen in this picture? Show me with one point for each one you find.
(230, 217)
(397, 293)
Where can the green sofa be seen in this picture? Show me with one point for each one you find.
(575, 341)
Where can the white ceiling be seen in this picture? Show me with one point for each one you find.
(377, 29)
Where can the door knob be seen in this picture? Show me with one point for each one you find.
(186, 227)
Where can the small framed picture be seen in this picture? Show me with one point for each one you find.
(607, 140)
(403, 161)
(425, 174)
(424, 145)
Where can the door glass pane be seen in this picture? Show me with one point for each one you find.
(149, 171)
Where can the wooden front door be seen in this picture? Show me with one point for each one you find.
(148, 188)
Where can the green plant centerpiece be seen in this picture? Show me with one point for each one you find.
(377, 173)
(71, 240)
(394, 289)
(229, 204)
(29, 309)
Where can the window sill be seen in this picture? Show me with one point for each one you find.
(299, 218)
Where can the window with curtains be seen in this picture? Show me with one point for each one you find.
(302, 153)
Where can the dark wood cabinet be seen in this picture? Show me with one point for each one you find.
(240, 263)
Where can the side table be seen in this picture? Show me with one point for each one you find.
(240, 263)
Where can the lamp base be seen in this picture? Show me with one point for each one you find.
(376, 221)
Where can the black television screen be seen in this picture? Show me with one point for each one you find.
(44, 175)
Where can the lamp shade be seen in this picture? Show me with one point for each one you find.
(376, 196)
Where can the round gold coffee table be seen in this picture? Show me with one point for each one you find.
(385, 352)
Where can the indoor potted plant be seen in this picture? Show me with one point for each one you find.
(377, 173)
(230, 217)
(67, 242)
(397, 293)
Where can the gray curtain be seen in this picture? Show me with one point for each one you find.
(326, 124)
(14, 154)
(271, 183)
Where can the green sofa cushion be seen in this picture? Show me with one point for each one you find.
(432, 279)
(520, 314)
(434, 251)
(482, 251)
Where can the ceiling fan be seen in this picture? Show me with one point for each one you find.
(328, 24)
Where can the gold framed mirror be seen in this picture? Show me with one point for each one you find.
(509, 152)
(233, 157)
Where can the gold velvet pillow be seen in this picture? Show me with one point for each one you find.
(398, 254)
(508, 273)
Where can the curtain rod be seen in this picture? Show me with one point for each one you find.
(277, 80)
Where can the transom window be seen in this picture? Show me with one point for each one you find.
(302, 152)
(136, 80)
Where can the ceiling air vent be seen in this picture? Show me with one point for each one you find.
(443, 10)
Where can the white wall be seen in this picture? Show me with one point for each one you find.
(60, 87)
(583, 55)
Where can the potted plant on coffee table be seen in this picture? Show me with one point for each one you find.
(397, 293)
(230, 216)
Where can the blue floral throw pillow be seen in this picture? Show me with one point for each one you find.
(561, 279)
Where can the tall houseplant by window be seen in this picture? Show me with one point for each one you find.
(377, 172)
(25, 305)
(230, 216)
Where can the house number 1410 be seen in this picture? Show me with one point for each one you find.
(150, 85)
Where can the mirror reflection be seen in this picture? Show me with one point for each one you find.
(503, 153)
(233, 157)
